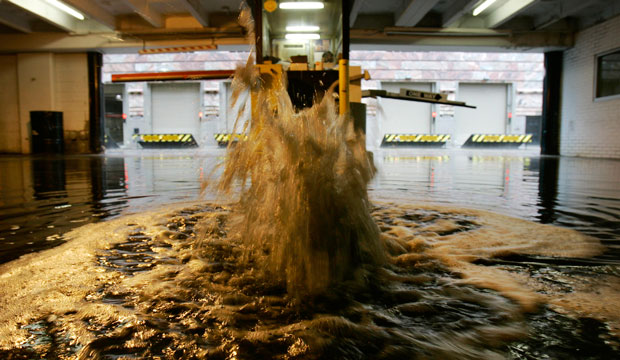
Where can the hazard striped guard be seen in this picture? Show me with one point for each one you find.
(415, 139)
(160, 141)
(224, 139)
(497, 140)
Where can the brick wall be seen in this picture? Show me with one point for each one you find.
(136, 91)
(525, 71)
(589, 127)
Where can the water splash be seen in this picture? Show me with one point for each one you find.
(174, 284)
(207, 282)
(304, 205)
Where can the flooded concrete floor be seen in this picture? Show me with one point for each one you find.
(43, 197)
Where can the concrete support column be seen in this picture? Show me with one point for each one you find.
(552, 85)
(96, 102)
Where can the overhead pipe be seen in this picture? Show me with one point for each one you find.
(343, 63)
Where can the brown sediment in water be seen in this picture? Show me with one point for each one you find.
(577, 295)
(473, 235)
(303, 265)
(192, 278)
(305, 213)
(307, 209)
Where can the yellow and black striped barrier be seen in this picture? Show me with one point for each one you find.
(417, 159)
(497, 140)
(223, 139)
(160, 141)
(415, 139)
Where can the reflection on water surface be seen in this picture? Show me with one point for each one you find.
(582, 194)
(221, 309)
(43, 197)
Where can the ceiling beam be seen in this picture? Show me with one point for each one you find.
(455, 12)
(414, 12)
(11, 43)
(10, 18)
(94, 12)
(15, 23)
(462, 39)
(561, 10)
(198, 11)
(355, 10)
(507, 11)
(48, 13)
(144, 9)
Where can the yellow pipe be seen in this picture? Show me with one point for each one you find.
(343, 85)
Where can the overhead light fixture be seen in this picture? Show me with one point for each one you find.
(480, 8)
(302, 28)
(66, 8)
(302, 36)
(301, 5)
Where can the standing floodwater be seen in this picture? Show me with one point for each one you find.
(176, 283)
(304, 266)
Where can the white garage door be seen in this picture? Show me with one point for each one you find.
(402, 116)
(489, 117)
(175, 108)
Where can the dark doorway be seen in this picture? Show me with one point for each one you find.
(532, 126)
(114, 116)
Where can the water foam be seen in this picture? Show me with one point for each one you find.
(179, 283)
(304, 205)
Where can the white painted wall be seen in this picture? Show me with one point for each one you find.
(589, 127)
(71, 97)
(10, 136)
(43, 81)
(35, 88)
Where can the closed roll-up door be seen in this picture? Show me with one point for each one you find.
(175, 108)
(489, 117)
(403, 116)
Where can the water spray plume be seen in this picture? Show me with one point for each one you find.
(381, 281)
(304, 204)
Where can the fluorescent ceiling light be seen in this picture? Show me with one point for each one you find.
(69, 10)
(301, 5)
(302, 28)
(482, 7)
(308, 36)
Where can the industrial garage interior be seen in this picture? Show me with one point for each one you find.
(355, 179)
(400, 43)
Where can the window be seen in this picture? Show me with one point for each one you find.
(608, 74)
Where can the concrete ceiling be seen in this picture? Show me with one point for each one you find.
(120, 25)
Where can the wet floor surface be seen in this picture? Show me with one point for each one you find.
(576, 193)
(43, 197)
